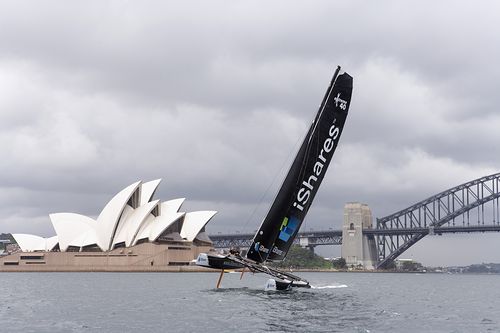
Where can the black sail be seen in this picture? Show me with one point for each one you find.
(279, 228)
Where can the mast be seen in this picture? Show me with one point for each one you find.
(280, 226)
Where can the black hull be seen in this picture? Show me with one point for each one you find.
(283, 285)
(298, 284)
(222, 262)
(286, 285)
(283, 280)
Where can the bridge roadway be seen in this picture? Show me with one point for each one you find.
(312, 238)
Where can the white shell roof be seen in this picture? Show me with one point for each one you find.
(169, 215)
(107, 221)
(172, 205)
(194, 223)
(119, 222)
(86, 239)
(130, 227)
(161, 224)
(203, 237)
(70, 227)
(127, 211)
(29, 243)
(51, 242)
(148, 190)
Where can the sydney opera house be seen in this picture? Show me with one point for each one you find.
(133, 232)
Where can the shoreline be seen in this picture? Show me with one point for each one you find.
(170, 269)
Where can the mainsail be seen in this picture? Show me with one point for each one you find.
(279, 228)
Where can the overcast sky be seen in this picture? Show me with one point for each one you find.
(213, 97)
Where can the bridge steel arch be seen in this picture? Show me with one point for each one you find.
(475, 203)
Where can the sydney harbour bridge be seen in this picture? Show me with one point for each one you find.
(467, 208)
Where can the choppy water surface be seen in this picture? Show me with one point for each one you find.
(188, 302)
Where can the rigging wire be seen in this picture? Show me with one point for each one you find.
(286, 161)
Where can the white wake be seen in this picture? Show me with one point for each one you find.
(330, 287)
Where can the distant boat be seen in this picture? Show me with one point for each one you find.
(281, 224)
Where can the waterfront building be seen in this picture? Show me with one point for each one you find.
(132, 232)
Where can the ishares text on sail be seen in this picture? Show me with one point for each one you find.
(307, 186)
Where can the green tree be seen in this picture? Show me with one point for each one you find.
(411, 266)
(339, 263)
(303, 258)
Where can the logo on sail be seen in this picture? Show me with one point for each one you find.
(260, 248)
(305, 191)
(288, 227)
(343, 103)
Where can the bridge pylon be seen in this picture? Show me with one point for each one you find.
(358, 248)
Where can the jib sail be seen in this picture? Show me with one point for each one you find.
(279, 228)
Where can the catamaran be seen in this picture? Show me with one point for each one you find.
(288, 210)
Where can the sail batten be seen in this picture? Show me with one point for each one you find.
(280, 226)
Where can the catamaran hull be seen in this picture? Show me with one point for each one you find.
(217, 262)
(276, 284)
(283, 280)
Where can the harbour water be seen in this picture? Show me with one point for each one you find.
(188, 302)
